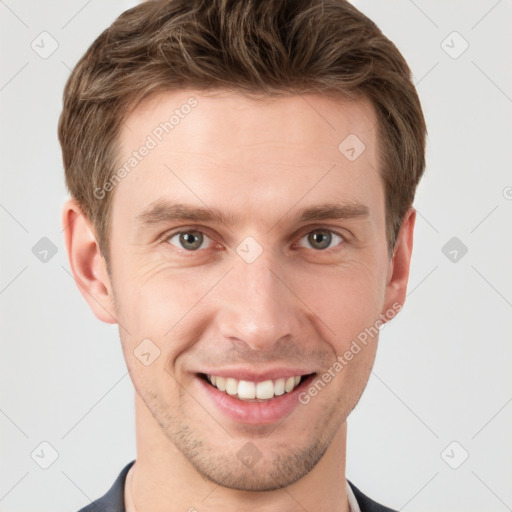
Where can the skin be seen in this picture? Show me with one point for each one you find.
(296, 305)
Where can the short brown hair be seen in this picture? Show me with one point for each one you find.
(268, 47)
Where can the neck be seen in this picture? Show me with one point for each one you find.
(162, 479)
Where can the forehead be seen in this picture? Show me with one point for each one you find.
(231, 152)
(305, 120)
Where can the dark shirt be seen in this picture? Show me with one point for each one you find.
(113, 500)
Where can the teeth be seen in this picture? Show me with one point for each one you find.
(289, 384)
(279, 387)
(219, 382)
(231, 386)
(246, 390)
(264, 390)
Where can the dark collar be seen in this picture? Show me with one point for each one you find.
(113, 500)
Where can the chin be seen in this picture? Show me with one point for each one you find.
(260, 472)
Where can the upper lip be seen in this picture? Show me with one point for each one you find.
(252, 375)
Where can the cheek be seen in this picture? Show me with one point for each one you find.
(346, 300)
(152, 296)
(155, 308)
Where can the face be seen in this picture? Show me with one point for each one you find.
(248, 253)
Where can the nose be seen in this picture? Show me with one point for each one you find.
(257, 307)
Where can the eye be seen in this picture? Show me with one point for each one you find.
(321, 239)
(191, 240)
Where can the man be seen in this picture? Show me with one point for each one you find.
(242, 176)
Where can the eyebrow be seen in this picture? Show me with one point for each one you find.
(163, 211)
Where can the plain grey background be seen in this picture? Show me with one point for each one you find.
(432, 430)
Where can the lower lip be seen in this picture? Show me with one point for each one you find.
(254, 413)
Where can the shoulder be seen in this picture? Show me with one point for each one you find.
(365, 503)
(113, 499)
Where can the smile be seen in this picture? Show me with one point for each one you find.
(257, 391)
(251, 397)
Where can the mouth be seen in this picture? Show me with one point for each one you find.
(256, 391)
(255, 400)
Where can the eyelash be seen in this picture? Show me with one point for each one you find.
(188, 253)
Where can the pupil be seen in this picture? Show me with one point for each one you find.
(321, 239)
(193, 241)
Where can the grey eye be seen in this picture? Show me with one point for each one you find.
(188, 240)
(321, 239)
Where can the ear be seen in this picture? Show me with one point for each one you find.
(87, 263)
(398, 270)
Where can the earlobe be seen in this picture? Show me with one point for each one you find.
(399, 266)
(87, 264)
